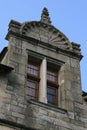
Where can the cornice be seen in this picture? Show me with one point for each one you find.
(68, 52)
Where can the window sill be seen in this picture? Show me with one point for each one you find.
(48, 106)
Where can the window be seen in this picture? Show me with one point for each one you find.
(52, 93)
(42, 81)
(52, 87)
(32, 89)
(33, 69)
(52, 76)
(32, 80)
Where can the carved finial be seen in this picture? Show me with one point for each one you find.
(45, 16)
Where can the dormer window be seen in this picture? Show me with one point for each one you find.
(42, 81)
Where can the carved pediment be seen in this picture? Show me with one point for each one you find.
(45, 33)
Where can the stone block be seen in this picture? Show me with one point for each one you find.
(18, 115)
(74, 63)
(5, 128)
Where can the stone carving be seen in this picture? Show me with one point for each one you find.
(45, 16)
(45, 33)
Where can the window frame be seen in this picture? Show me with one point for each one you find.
(52, 70)
(53, 84)
(55, 101)
(36, 89)
(51, 63)
(32, 77)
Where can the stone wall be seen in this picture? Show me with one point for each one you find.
(48, 118)
(6, 128)
(19, 113)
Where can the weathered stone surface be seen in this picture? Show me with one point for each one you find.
(41, 40)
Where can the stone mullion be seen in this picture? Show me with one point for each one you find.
(43, 82)
(61, 88)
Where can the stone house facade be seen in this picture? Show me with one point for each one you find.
(40, 81)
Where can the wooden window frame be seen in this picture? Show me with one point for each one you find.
(36, 89)
(52, 70)
(34, 64)
(53, 84)
(34, 78)
(55, 102)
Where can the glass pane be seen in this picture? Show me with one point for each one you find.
(33, 69)
(30, 92)
(31, 89)
(51, 90)
(31, 84)
(50, 99)
(52, 95)
(52, 76)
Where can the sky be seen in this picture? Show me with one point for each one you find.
(69, 16)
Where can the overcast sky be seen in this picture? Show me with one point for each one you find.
(69, 16)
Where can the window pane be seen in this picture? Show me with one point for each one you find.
(33, 69)
(52, 95)
(32, 79)
(50, 99)
(52, 76)
(51, 90)
(31, 84)
(31, 90)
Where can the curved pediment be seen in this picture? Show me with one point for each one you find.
(45, 33)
